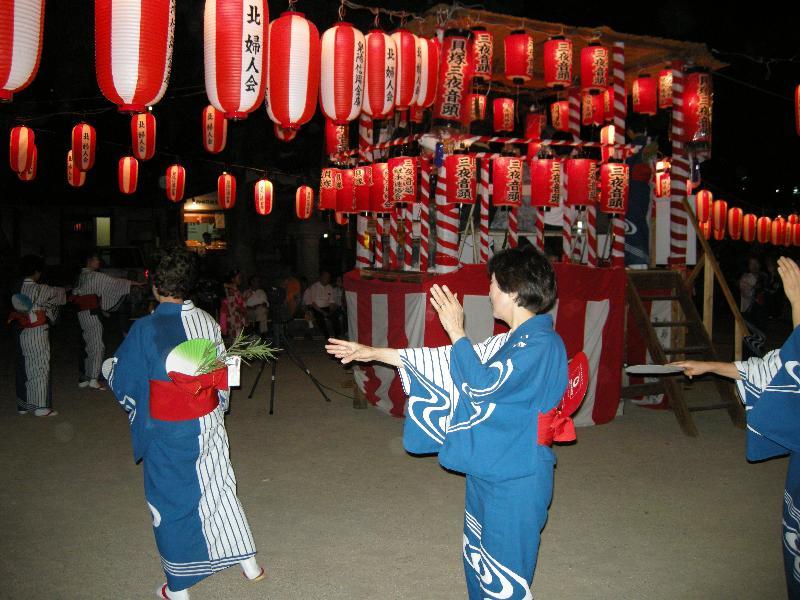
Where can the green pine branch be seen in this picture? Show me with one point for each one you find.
(248, 348)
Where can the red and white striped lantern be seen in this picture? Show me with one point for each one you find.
(706, 229)
(235, 45)
(262, 196)
(663, 179)
(340, 218)
(787, 238)
(503, 114)
(29, 174)
(402, 180)
(462, 179)
(21, 28)
(84, 145)
(75, 177)
(559, 115)
(380, 200)
(476, 108)
(735, 220)
(763, 229)
(336, 138)
(703, 202)
(482, 53)
(518, 62)
(428, 58)
(21, 143)
(545, 182)
(558, 62)
(455, 75)
(304, 202)
(592, 109)
(380, 75)
(175, 182)
(719, 234)
(345, 196)
(215, 130)
(777, 232)
(293, 75)
(719, 214)
(362, 187)
(133, 50)
(128, 174)
(796, 234)
(226, 191)
(645, 95)
(534, 123)
(749, 227)
(284, 135)
(143, 135)
(665, 88)
(595, 68)
(581, 181)
(407, 73)
(507, 181)
(614, 188)
(697, 108)
(329, 179)
(792, 219)
(341, 85)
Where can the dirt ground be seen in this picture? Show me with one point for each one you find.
(339, 511)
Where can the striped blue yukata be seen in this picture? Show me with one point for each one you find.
(770, 389)
(478, 407)
(189, 484)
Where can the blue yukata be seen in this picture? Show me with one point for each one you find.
(770, 388)
(477, 407)
(189, 484)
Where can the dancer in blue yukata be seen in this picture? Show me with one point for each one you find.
(770, 390)
(178, 433)
(481, 409)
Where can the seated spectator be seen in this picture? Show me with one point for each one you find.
(255, 299)
(320, 302)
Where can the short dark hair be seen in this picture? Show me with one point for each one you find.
(90, 254)
(30, 264)
(528, 273)
(176, 273)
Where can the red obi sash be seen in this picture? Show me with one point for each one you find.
(86, 302)
(186, 397)
(23, 319)
(556, 425)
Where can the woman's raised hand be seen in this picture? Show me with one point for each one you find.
(348, 351)
(450, 312)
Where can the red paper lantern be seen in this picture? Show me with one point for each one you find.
(84, 144)
(665, 88)
(703, 202)
(75, 177)
(559, 115)
(797, 109)
(215, 130)
(455, 75)
(284, 135)
(796, 234)
(608, 136)
(792, 219)
(706, 229)
(482, 53)
(407, 72)
(476, 107)
(787, 237)
(262, 196)
(719, 214)
(336, 138)
(777, 232)
(697, 105)
(461, 179)
(608, 108)
(329, 180)
(428, 55)
(594, 68)
(22, 141)
(340, 218)
(545, 182)
(592, 110)
(345, 192)
(719, 234)
(417, 114)
(558, 62)
(293, 62)
(735, 219)
(534, 123)
(20, 44)
(175, 182)
(581, 181)
(507, 181)
(749, 226)
(226, 191)
(29, 174)
(503, 114)
(663, 180)
(128, 174)
(645, 95)
(380, 68)
(763, 229)
(614, 188)
(133, 50)
(380, 200)
(143, 135)
(304, 202)
(402, 180)
(341, 86)
(518, 56)
(362, 187)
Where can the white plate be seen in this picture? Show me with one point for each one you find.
(653, 370)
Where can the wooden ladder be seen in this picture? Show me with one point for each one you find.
(666, 285)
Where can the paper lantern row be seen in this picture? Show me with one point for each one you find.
(715, 218)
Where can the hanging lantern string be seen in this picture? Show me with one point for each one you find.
(400, 15)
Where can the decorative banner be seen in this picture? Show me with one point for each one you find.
(594, 68)
(462, 179)
(380, 200)
(262, 196)
(503, 114)
(507, 181)
(558, 62)
(133, 50)
(345, 196)
(215, 130)
(84, 144)
(592, 109)
(663, 180)
(407, 69)
(697, 103)
(518, 56)
(796, 234)
(482, 53)
(428, 60)
(380, 68)
(30, 173)
(336, 138)
(749, 226)
(735, 220)
(22, 141)
(362, 187)
(143, 135)
(284, 135)
(559, 115)
(534, 123)
(476, 108)
(719, 214)
(581, 181)
(665, 88)
(176, 182)
(455, 75)
(777, 232)
(645, 95)
(304, 202)
(763, 229)
(402, 180)
(341, 88)
(226, 191)
(75, 177)
(20, 45)
(545, 182)
(329, 181)
(128, 174)
(614, 188)
(703, 202)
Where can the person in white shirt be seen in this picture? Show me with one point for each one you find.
(255, 299)
(319, 299)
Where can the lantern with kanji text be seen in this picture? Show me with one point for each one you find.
(226, 191)
(304, 202)
(461, 179)
(362, 187)
(503, 114)
(407, 72)
(215, 130)
(75, 177)
(507, 181)
(645, 95)
(663, 181)
(518, 46)
(380, 75)
(402, 179)
(545, 182)
(175, 182)
(143, 135)
(329, 179)
(84, 145)
(558, 62)
(482, 53)
(665, 88)
(455, 76)
(341, 87)
(380, 200)
(336, 138)
(476, 107)
(262, 196)
(592, 110)
(345, 193)
(594, 68)
(697, 108)
(614, 187)
(428, 56)
(559, 115)
(581, 181)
